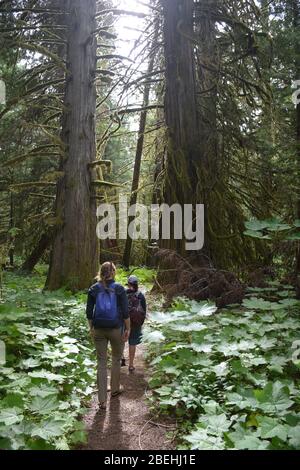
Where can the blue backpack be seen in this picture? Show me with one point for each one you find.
(106, 314)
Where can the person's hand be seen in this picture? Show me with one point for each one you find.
(92, 332)
(126, 335)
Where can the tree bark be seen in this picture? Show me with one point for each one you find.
(186, 155)
(11, 225)
(75, 254)
(267, 125)
(180, 97)
(296, 24)
(35, 256)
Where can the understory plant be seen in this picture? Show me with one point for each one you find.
(48, 373)
(230, 377)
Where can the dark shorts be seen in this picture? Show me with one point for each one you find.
(135, 337)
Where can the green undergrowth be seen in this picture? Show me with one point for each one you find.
(49, 373)
(230, 377)
(49, 369)
(145, 276)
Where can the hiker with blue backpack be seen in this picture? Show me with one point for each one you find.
(108, 317)
(137, 312)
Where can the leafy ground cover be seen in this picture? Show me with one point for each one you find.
(49, 373)
(49, 370)
(231, 377)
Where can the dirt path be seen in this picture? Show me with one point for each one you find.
(127, 423)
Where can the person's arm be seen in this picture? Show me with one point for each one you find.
(90, 305)
(126, 330)
(143, 302)
(125, 314)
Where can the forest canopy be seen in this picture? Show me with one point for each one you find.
(196, 99)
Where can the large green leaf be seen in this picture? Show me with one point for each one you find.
(294, 437)
(245, 439)
(168, 317)
(188, 327)
(44, 405)
(201, 440)
(30, 363)
(294, 237)
(261, 304)
(221, 369)
(10, 416)
(242, 399)
(44, 374)
(164, 390)
(274, 398)
(275, 225)
(49, 429)
(43, 390)
(205, 310)
(266, 343)
(204, 347)
(215, 424)
(256, 234)
(255, 225)
(154, 337)
(272, 427)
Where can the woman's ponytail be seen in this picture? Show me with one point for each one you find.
(106, 273)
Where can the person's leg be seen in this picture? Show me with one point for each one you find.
(123, 360)
(135, 339)
(117, 347)
(101, 348)
(132, 351)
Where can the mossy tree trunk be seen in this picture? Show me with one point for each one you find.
(75, 256)
(189, 137)
(296, 24)
(38, 251)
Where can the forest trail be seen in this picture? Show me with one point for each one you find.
(128, 424)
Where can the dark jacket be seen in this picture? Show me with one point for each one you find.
(122, 301)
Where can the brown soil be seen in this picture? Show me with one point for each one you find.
(127, 423)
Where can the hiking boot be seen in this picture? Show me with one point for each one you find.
(118, 392)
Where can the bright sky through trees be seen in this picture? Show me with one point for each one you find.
(129, 30)
(126, 24)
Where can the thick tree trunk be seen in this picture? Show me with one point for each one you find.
(298, 156)
(187, 156)
(180, 97)
(35, 256)
(267, 126)
(296, 15)
(75, 256)
(11, 225)
(207, 84)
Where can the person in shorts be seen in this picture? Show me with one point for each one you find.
(135, 337)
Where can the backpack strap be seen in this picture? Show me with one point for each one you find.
(111, 288)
